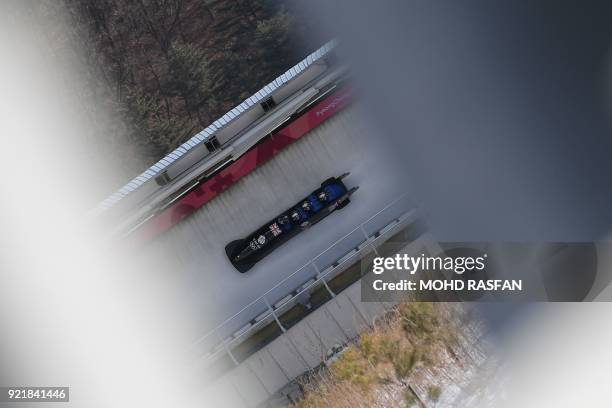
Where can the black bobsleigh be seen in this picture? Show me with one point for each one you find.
(331, 196)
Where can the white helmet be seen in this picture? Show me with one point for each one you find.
(295, 216)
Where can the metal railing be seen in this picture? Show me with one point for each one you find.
(270, 306)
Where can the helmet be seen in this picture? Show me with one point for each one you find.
(322, 196)
(306, 206)
(295, 216)
(283, 219)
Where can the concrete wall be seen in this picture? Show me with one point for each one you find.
(300, 349)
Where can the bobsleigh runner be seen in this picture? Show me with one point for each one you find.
(331, 196)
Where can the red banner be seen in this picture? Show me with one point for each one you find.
(259, 154)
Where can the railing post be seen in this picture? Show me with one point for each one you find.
(227, 350)
(274, 315)
(370, 243)
(333, 295)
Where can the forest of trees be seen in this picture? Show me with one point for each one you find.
(168, 68)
